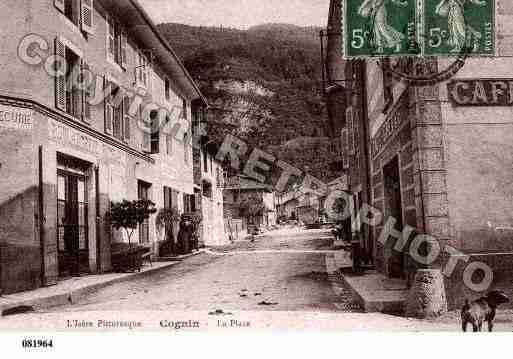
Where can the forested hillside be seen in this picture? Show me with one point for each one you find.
(264, 85)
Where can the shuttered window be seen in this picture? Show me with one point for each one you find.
(60, 81)
(88, 94)
(86, 7)
(127, 118)
(111, 40)
(123, 60)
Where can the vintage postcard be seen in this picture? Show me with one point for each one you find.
(217, 166)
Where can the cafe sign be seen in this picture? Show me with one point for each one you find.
(481, 92)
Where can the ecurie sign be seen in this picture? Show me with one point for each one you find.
(481, 92)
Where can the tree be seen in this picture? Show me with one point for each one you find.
(128, 215)
(252, 208)
(166, 219)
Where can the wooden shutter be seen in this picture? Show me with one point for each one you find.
(126, 117)
(108, 106)
(59, 4)
(86, 94)
(123, 50)
(86, 11)
(60, 81)
(110, 39)
(166, 197)
(174, 198)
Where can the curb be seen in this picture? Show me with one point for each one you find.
(74, 295)
(374, 306)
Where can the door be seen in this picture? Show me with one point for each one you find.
(144, 228)
(72, 212)
(393, 208)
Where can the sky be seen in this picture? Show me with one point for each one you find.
(238, 13)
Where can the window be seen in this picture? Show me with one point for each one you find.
(142, 70)
(189, 203)
(167, 89)
(184, 108)
(117, 43)
(205, 162)
(169, 145)
(79, 12)
(117, 112)
(155, 132)
(68, 96)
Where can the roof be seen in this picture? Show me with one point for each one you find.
(242, 182)
(142, 28)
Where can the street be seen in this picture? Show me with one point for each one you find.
(283, 272)
(267, 274)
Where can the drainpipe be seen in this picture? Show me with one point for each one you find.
(41, 216)
(367, 151)
(98, 220)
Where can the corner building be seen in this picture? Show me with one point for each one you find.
(64, 160)
(440, 159)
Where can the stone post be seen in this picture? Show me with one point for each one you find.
(426, 298)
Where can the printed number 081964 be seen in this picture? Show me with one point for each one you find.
(36, 343)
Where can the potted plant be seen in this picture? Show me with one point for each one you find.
(166, 220)
(127, 215)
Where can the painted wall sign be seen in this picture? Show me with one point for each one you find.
(68, 136)
(481, 92)
(389, 127)
(16, 118)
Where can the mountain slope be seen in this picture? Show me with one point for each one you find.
(263, 84)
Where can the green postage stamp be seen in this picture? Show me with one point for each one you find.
(391, 27)
(454, 26)
(380, 27)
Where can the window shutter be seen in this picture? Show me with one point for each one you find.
(126, 116)
(124, 46)
(108, 106)
(174, 198)
(59, 4)
(86, 94)
(87, 16)
(60, 81)
(110, 40)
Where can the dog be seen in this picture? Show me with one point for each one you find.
(482, 310)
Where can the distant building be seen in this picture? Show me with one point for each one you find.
(241, 190)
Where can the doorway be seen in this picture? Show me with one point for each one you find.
(143, 193)
(72, 231)
(395, 261)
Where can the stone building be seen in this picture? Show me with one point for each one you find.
(64, 155)
(209, 183)
(437, 157)
(241, 189)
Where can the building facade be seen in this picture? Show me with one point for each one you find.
(436, 155)
(240, 191)
(67, 155)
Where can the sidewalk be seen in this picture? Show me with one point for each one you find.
(373, 291)
(71, 290)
